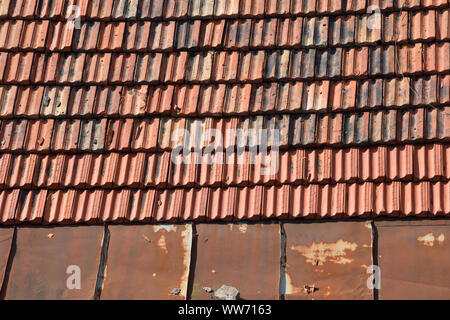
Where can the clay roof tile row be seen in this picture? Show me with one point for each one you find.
(424, 199)
(296, 166)
(176, 9)
(338, 129)
(310, 32)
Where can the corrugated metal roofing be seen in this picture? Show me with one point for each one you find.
(87, 112)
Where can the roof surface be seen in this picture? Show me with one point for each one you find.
(88, 109)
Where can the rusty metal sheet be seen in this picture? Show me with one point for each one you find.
(6, 237)
(414, 259)
(327, 260)
(40, 266)
(148, 262)
(245, 256)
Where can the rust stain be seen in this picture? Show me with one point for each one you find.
(319, 253)
(429, 239)
(162, 244)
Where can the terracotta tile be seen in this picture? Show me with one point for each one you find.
(408, 4)
(12, 134)
(14, 73)
(211, 169)
(183, 169)
(45, 68)
(7, 98)
(342, 30)
(194, 137)
(3, 61)
(289, 96)
(354, 6)
(370, 94)
(84, 202)
(237, 34)
(442, 51)
(443, 25)
(8, 202)
(10, 34)
(122, 68)
(145, 134)
(277, 65)
(251, 66)
(276, 7)
(48, 10)
(264, 33)
(174, 8)
(31, 205)
(199, 67)
(382, 60)
(289, 32)
(302, 64)
(329, 63)
(92, 135)
(201, 8)
(211, 33)
(315, 96)
(225, 66)
(307, 7)
(60, 202)
(433, 3)
(65, 135)
(111, 36)
(156, 169)
(97, 68)
(187, 34)
(196, 200)
(141, 205)
(81, 101)
(59, 37)
(221, 205)
(226, 8)
(303, 129)
(100, 9)
(367, 30)
(34, 35)
(409, 59)
(107, 100)
(424, 90)
(54, 101)
(427, 22)
(148, 67)
(315, 32)
(185, 100)
(4, 8)
(306, 204)
(168, 205)
(212, 99)
(118, 135)
(159, 99)
(253, 8)
(28, 101)
(162, 36)
(236, 169)
(173, 68)
(343, 95)
(125, 9)
(444, 89)
(396, 92)
(356, 128)
(22, 9)
(396, 27)
(49, 171)
(86, 38)
(134, 101)
(329, 6)
(18, 170)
